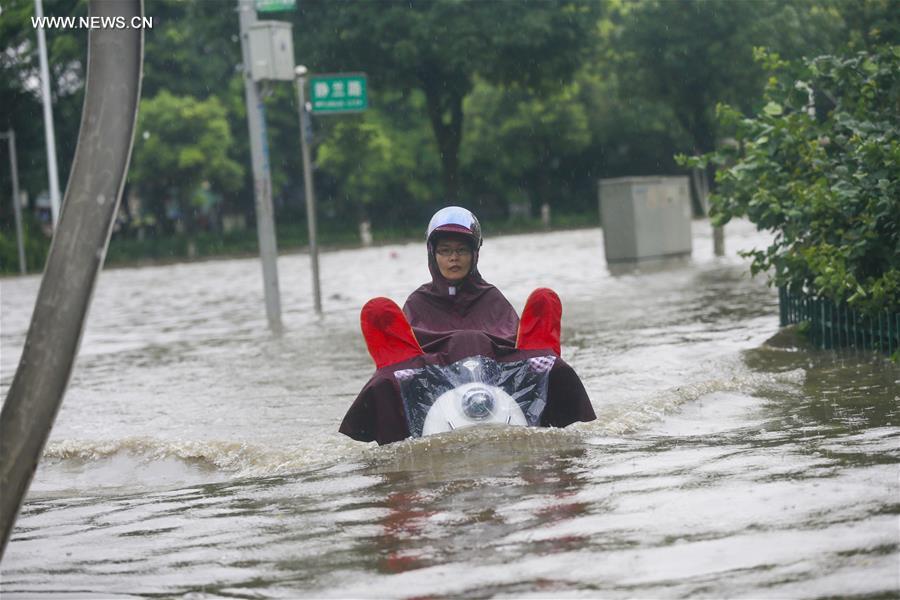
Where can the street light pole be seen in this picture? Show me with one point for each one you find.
(17, 208)
(49, 133)
(305, 135)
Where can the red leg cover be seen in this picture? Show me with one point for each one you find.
(387, 333)
(539, 326)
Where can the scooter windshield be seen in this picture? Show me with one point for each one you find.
(474, 391)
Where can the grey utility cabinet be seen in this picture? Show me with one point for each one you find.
(271, 51)
(645, 218)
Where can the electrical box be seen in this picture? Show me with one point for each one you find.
(271, 51)
(645, 218)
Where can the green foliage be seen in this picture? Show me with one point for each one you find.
(20, 101)
(180, 143)
(820, 167)
(498, 102)
(35, 244)
(868, 23)
(440, 46)
(690, 56)
(534, 134)
(379, 162)
(193, 48)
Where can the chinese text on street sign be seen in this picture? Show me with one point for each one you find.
(343, 92)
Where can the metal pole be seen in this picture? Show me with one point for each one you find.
(17, 208)
(76, 253)
(262, 179)
(49, 133)
(305, 130)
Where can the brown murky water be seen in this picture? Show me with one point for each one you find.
(196, 456)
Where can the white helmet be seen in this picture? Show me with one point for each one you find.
(455, 219)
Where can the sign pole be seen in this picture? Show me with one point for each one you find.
(262, 180)
(17, 208)
(305, 139)
(331, 94)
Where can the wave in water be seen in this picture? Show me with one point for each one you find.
(142, 462)
(628, 417)
(138, 463)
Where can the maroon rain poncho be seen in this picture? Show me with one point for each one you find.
(438, 308)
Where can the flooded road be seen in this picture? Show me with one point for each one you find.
(196, 456)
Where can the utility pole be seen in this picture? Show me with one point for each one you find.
(305, 140)
(49, 133)
(262, 178)
(17, 208)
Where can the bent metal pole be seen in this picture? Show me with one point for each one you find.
(76, 253)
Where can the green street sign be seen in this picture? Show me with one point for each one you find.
(275, 5)
(337, 93)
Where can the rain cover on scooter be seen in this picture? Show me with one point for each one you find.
(474, 391)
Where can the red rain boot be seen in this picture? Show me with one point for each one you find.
(539, 327)
(387, 333)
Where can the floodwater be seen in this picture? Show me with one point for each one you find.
(197, 456)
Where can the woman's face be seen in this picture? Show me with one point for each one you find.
(454, 258)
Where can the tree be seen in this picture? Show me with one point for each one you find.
(868, 24)
(440, 46)
(695, 54)
(193, 48)
(533, 132)
(820, 168)
(181, 142)
(20, 96)
(383, 175)
(690, 56)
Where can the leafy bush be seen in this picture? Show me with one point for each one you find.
(820, 167)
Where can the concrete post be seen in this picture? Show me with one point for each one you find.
(701, 184)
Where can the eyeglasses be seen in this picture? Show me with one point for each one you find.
(445, 252)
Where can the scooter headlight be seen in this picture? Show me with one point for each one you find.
(478, 404)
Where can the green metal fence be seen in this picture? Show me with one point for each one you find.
(837, 325)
